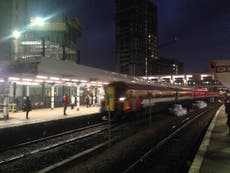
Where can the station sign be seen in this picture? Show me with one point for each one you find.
(223, 68)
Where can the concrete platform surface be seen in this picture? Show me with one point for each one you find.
(40, 115)
(213, 155)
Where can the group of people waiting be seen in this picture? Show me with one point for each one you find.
(65, 101)
(26, 107)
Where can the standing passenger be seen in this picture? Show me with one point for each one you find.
(227, 110)
(27, 106)
(16, 104)
(72, 101)
(65, 103)
(87, 100)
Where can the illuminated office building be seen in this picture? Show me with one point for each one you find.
(136, 36)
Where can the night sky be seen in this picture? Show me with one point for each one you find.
(202, 29)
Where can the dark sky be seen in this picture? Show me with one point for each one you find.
(202, 29)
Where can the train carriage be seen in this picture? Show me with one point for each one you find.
(122, 97)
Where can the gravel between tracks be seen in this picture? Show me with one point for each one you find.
(121, 154)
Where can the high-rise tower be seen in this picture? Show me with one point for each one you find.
(136, 36)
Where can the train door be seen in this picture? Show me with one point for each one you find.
(110, 98)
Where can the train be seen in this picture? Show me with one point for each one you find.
(124, 97)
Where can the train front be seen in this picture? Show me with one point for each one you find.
(115, 100)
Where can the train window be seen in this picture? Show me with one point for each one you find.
(141, 96)
(120, 92)
(130, 93)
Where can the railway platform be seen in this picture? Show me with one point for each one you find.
(43, 115)
(213, 155)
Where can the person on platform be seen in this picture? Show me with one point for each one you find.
(87, 100)
(227, 111)
(72, 101)
(26, 106)
(65, 103)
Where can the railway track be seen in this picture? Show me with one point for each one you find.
(58, 151)
(19, 153)
(30, 156)
(156, 149)
(175, 152)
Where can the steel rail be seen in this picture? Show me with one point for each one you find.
(177, 130)
(50, 137)
(55, 145)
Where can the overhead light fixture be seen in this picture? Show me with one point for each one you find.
(58, 82)
(42, 77)
(83, 81)
(13, 78)
(49, 81)
(25, 79)
(31, 43)
(27, 83)
(65, 79)
(75, 80)
(54, 78)
(38, 80)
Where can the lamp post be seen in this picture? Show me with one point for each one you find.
(15, 49)
(39, 22)
(15, 44)
(6, 99)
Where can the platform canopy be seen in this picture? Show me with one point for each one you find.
(69, 69)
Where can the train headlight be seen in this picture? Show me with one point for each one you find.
(122, 99)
